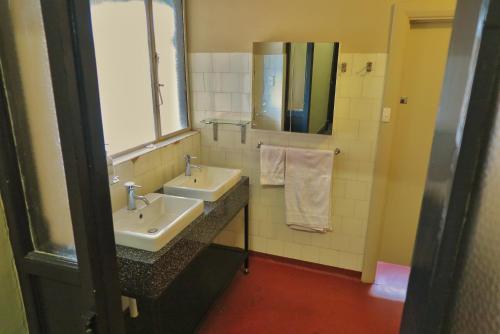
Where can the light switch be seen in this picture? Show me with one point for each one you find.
(386, 115)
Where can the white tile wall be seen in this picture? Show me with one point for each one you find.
(226, 94)
(153, 169)
(225, 90)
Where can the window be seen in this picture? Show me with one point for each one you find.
(140, 56)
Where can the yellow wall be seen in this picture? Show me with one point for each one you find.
(398, 33)
(12, 318)
(232, 25)
(422, 81)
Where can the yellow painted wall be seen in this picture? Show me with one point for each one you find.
(232, 25)
(12, 317)
(398, 33)
(411, 146)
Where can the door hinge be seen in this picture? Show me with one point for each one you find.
(89, 318)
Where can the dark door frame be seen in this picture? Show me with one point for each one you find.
(74, 77)
(468, 105)
(286, 107)
(308, 83)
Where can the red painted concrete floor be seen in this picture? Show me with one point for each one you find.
(282, 297)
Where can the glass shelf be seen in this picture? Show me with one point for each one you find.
(224, 121)
(215, 124)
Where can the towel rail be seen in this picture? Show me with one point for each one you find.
(336, 151)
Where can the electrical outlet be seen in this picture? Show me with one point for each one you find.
(386, 115)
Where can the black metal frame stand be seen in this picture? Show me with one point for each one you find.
(245, 266)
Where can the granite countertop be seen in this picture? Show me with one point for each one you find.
(148, 274)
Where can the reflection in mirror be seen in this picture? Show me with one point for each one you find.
(294, 86)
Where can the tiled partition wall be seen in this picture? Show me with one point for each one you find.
(220, 88)
(153, 169)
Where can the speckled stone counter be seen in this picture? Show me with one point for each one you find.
(148, 274)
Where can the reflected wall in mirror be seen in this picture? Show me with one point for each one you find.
(294, 86)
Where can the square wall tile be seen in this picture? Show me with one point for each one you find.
(350, 86)
(275, 247)
(330, 257)
(341, 108)
(346, 58)
(360, 61)
(309, 253)
(146, 162)
(380, 65)
(373, 87)
(344, 207)
(213, 82)
(362, 109)
(346, 129)
(292, 250)
(240, 102)
(197, 82)
(245, 83)
(200, 62)
(357, 190)
(258, 244)
(230, 82)
(239, 62)
(202, 101)
(221, 62)
(352, 261)
(222, 101)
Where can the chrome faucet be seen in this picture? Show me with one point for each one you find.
(132, 197)
(189, 165)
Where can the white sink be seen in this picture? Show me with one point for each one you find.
(207, 183)
(151, 227)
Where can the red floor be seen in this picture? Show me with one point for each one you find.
(280, 297)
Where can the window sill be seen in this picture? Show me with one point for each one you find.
(150, 148)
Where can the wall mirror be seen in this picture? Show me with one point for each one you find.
(294, 86)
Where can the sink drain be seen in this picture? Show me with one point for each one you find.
(152, 230)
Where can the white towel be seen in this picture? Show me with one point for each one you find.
(308, 183)
(272, 165)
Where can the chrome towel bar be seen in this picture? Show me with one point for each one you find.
(336, 152)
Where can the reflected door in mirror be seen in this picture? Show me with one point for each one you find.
(294, 86)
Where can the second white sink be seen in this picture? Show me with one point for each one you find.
(151, 227)
(208, 184)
